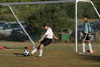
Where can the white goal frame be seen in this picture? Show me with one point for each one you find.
(51, 2)
(76, 21)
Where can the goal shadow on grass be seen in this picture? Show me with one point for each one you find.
(19, 54)
(90, 57)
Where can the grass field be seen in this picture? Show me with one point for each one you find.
(55, 55)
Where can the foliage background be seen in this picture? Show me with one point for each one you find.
(58, 16)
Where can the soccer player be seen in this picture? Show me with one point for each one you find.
(45, 40)
(87, 35)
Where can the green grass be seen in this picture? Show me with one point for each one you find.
(55, 55)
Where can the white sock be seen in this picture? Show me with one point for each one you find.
(90, 48)
(34, 51)
(41, 52)
(83, 47)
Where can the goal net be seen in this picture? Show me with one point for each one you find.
(23, 22)
(88, 8)
(60, 17)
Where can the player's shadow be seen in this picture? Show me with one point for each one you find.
(19, 54)
(91, 57)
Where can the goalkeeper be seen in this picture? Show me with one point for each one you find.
(87, 35)
(45, 40)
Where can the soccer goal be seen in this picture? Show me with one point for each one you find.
(87, 7)
(64, 17)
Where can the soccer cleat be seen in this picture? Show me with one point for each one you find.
(40, 56)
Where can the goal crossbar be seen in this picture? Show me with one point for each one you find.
(39, 2)
(83, 0)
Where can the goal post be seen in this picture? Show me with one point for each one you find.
(95, 9)
(21, 26)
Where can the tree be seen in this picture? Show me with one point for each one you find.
(55, 15)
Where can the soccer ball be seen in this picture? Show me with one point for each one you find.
(26, 53)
